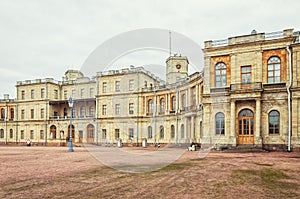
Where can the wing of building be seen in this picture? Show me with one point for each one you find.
(248, 94)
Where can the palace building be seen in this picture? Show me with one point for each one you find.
(247, 94)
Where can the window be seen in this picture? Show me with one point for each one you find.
(22, 134)
(42, 113)
(161, 132)
(131, 108)
(42, 136)
(31, 134)
(117, 109)
(117, 86)
(1, 133)
(90, 132)
(117, 133)
(173, 107)
(246, 74)
(182, 131)
(131, 85)
(131, 133)
(23, 114)
(82, 93)
(149, 132)
(22, 95)
(183, 100)
(172, 131)
(103, 133)
(274, 122)
(55, 94)
(74, 112)
(12, 113)
(162, 105)
(42, 93)
(53, 132)
(92, 112)
(65, 112)
(104, 87)
(150, 106)
(104, 109)
(65, 94)
(82, 111)
(274, 70)
(32, 94)
(220, 71)
(32, 113)
(2, 113)
(11, 134)
(74, 93)
(92, 93)
(220, 124)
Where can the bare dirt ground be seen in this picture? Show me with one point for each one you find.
(52, 172)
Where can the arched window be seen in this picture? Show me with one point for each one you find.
(274, 70)
(220, 124)
(11, 134)
(2, 113)
(150, 106)
(162, 105)
(53, 132)
(172, 131)
(173, 107)
(149, 132)
(274, 120)
(161, 132)
(182, 131)
(220, 73)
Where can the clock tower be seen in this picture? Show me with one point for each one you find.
(177, 68)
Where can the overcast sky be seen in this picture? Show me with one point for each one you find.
(41, 39)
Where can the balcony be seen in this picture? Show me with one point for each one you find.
(73, 117)
(246, 87)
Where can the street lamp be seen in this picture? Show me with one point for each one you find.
(71, 127)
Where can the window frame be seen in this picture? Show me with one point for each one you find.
(272, 129)
(220, 75)
(220, 123)
(273, 64)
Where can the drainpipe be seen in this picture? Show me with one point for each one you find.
(289, 98)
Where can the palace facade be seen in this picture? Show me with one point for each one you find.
(247, 94)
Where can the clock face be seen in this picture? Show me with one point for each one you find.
(178, 66)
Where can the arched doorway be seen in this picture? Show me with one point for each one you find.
(246, 127)
(53, 132)
(90, 129)
(73, 133)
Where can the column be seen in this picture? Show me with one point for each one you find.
(258, 118)
(232, 118)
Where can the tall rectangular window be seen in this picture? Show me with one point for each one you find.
(117, 89)
(117, 133)
(22, 134)
(42, 93)
(73, 93)
(246, 74)
(274, 70)
(55, 94)
(103, 133)
(32, 113)
(65, 94)
(32, 94)
(130, 133)
(92, 93)
(104, 87)
(22, 114)
(117, 109)
(131, 85)
(92, 112)
(82, 93)
(42, 136)
(22, 95)
(131, 108)
(42, 113)
(104, 109)
(31, 134)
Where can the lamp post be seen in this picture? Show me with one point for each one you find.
(71, 127)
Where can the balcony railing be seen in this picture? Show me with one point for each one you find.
(246, 86)
(68, 117)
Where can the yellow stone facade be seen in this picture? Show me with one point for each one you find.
(241, 98)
